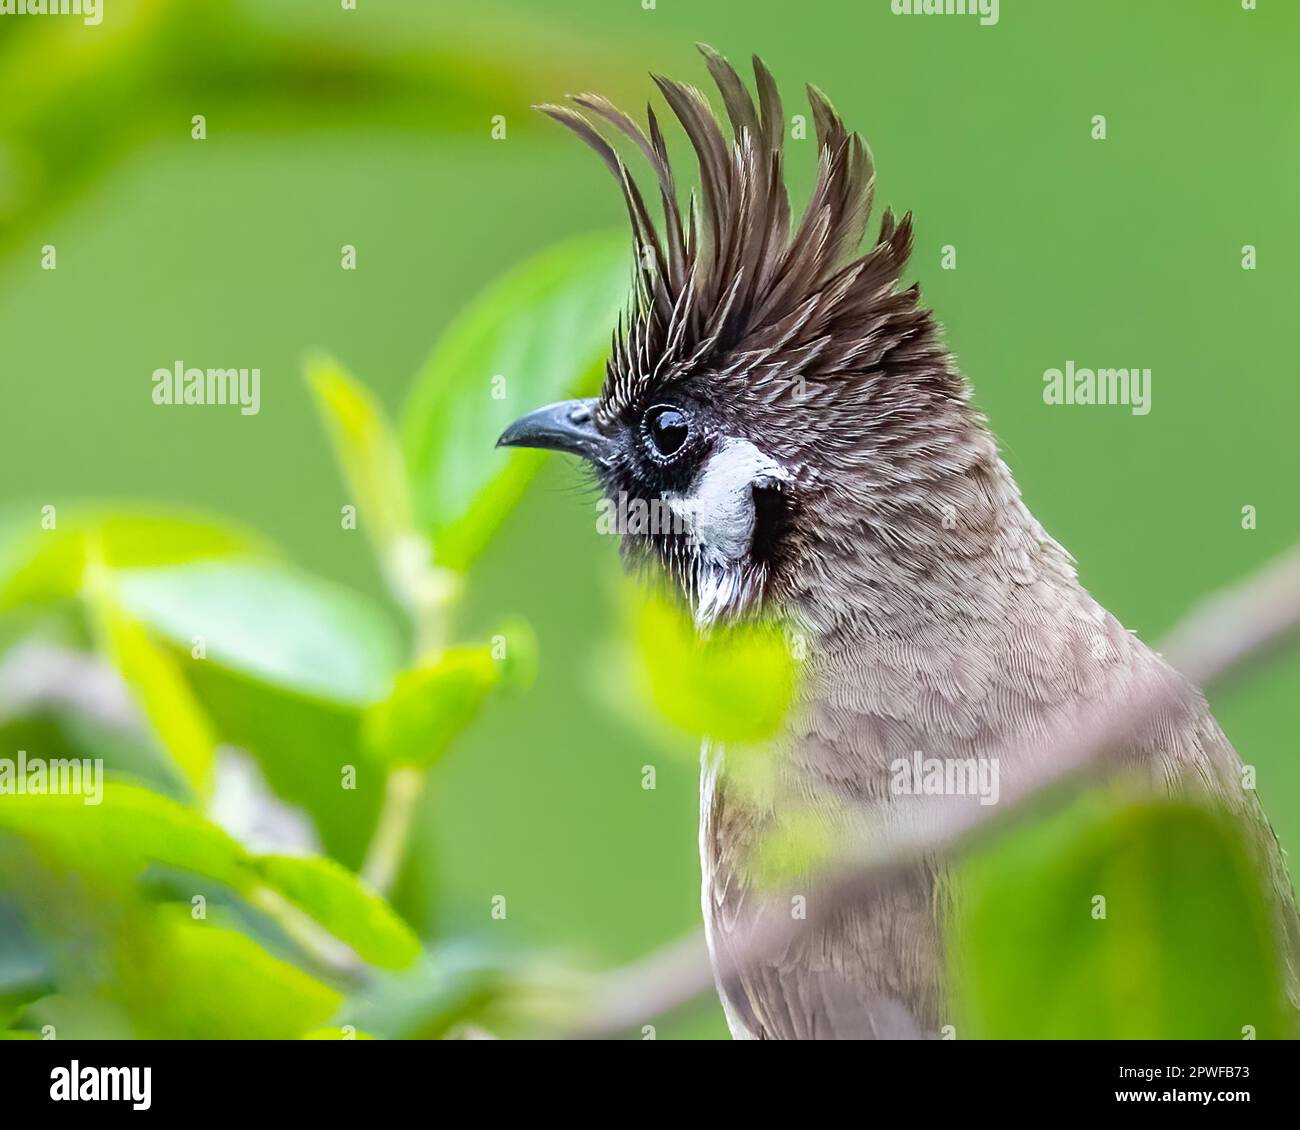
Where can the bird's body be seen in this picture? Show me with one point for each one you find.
(796, 406)
(960, 655)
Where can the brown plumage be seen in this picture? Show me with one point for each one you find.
(794, 403)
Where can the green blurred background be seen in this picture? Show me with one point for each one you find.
(373, 127)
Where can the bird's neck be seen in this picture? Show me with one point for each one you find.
(925, 611)
(929, 548)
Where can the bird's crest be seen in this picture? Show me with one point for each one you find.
(728, 289)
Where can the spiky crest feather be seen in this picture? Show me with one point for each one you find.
(728, 289)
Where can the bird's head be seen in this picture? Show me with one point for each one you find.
(767, 383)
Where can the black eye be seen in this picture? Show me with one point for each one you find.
(667, 428)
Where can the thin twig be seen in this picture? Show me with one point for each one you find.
(387, 848)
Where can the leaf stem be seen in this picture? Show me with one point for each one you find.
(387, 848)
(425, 591)
(305, 931)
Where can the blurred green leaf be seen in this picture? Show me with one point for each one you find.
(368, 452)
(126, 965)
(161, 690)
(71, 104)
(337, 1033)
(538, 335)
(1186, 949)
(430, 705)
(514, 646)
(272, 623)
(344, 905)
(25, 970)
(128, 830)
(449, 987)
(735, 685)
(801, 841)
(304, 746)
(62, 731)
(133, 829)
(217, 984)
(47, 564)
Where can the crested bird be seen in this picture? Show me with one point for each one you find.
(782, 389)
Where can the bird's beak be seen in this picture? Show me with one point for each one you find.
(568, 426)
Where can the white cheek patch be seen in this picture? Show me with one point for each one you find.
(718, 510)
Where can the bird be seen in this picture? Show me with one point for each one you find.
(778, 386)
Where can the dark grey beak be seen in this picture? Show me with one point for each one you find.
(567, 426)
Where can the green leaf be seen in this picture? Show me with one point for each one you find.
(1185, 950)
(273, 624)
(736, 685)
(25, 970)
(545, 328)
(132, 829)
(124, 832)
(161, 690)
(304, 746)
(217, 984)
(126, 965)
(37, 563)
(255, 67)
(800, 842)
(514, 646)
(430, 705)
(367, 451)
(344, 905)
(454, 985)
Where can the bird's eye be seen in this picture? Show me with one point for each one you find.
(667, 428)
